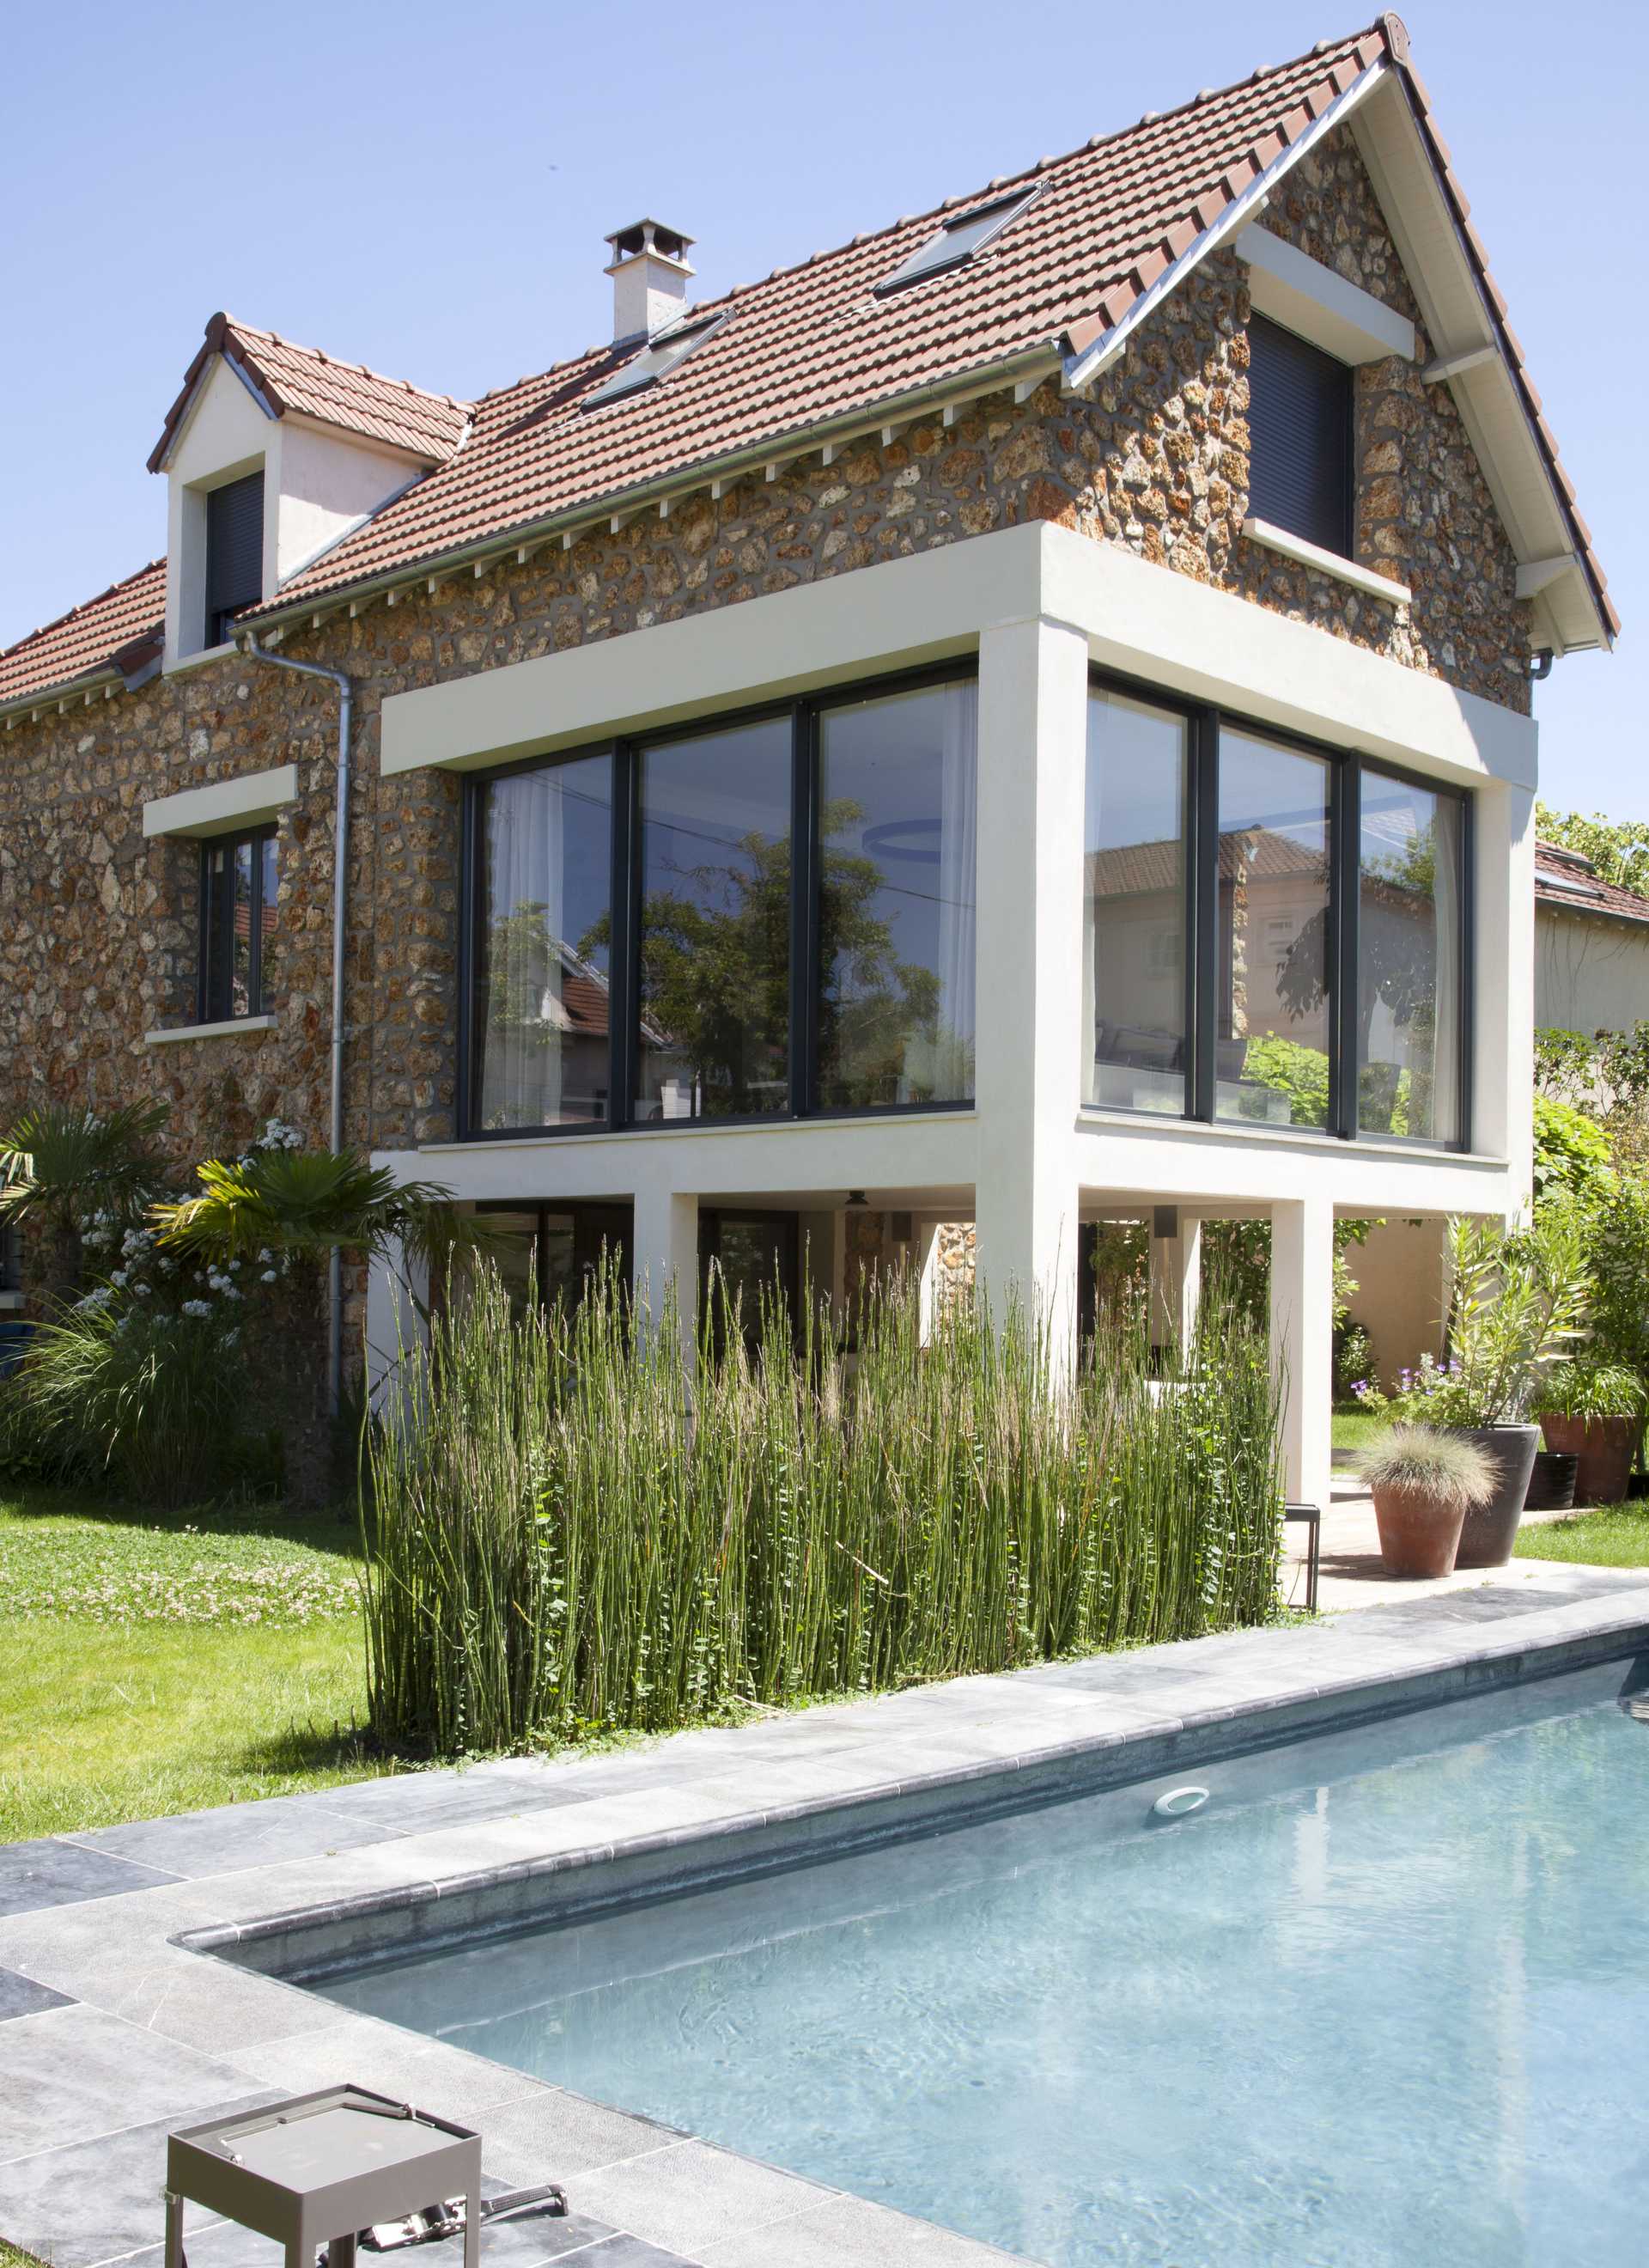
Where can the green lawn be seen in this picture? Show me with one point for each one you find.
(1614, 1535)
(1355, 1430)
(154, 1662)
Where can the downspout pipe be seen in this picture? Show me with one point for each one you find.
(340, 908)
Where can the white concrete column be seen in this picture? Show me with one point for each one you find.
(1033, 736)
(394, 1325)
(665, 1250)
(1502, 1072)
(1302, 1341)
(925, 1259)
(1177, 1278)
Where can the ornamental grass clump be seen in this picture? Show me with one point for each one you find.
(563, 1537)
(1413, 1461)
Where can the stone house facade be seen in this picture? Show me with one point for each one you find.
(1132, 440)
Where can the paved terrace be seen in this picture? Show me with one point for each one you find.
(111, 2032)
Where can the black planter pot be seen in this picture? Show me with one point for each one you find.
(1491, 1528)
(1551, 1485)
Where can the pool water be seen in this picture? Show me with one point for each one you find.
(1383, 1998)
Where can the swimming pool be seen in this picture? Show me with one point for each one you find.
(1383, 1998)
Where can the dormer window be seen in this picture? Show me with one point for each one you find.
(1299, 430)
(958, 240)
(234, 553)
(657, 359)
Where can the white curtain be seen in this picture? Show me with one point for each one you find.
(522, 1053)
(953, 1070)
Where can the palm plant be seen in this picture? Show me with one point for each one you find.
(61, 1163)
(289, 1212)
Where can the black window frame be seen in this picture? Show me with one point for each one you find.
(597, 1224)
(1335, 529)
(1347, 767)
(624, 956)
(215, 986)
(11, 1257)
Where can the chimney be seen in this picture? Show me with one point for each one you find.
(650, 272)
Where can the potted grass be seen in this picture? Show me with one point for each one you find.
(1424, 1483)
(1593, 1412)
(1519, 1302)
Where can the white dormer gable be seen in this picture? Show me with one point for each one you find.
(321, 475)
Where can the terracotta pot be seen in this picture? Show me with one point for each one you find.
(1418, 1536)
(1605, 1447)
(1491, 1529)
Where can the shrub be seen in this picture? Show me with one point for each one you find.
(560, 1539)
(1520, 1299)
(1589, 1389)
(1455, 1472)
(151, 1402)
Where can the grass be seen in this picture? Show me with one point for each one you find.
(1355, 1430)
(156, 1662)
(1614, 1535)
(10, 2258)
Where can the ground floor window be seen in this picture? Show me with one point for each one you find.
(753, 1256)
(768, 915)
(239, 942)
(549, 1252)
(1274, 932)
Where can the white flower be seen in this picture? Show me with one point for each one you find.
(229, 1291)
(234, 1267)
(119, 1278)
(269, 1276)
(265, 1255)
(196, 1308)
(142, 1290)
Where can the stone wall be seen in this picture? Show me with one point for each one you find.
(97, 937)
(1169, 445)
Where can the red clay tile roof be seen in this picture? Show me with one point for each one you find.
(1568, 884)
(121, 628)
(812, 343)
(344, 394)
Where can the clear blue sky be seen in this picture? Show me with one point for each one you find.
(426, 188)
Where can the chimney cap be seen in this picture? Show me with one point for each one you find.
(649, 237)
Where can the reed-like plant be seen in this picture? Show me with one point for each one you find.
(562, 1537)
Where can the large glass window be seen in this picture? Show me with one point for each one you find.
(1134, 904)
(541, 1009)
(1273, 1018)
(1409, 978)
(1248, 956)
(895, 1012)
(240, 916)
(715, 924)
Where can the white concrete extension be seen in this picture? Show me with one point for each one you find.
(1038, 605)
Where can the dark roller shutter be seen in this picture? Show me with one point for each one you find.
(1299, 427)
(235, 552)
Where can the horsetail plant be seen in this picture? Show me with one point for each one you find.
(568, 1533)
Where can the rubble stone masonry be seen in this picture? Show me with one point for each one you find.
(98, 924)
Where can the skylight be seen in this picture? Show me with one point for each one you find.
(959, 240)
(1570, 885)
(657, 359)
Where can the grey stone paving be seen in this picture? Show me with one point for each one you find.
(115, 2031)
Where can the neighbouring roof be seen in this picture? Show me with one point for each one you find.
(312, 384)
(813, 347)
(1566, 883)
(116, 634)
